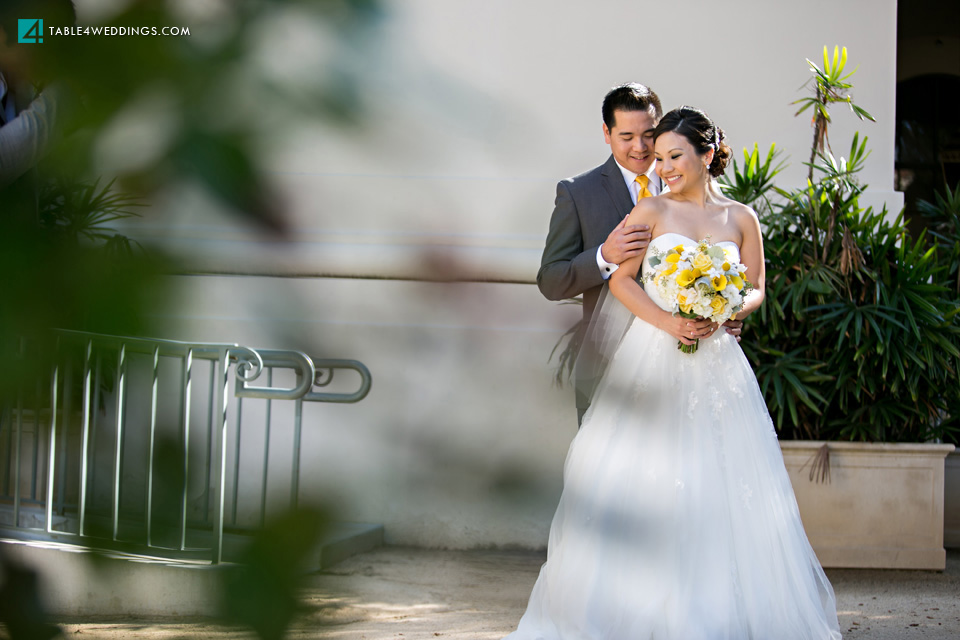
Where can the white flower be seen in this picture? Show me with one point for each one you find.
(732, 296)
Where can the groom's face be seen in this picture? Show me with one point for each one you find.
(631, 139)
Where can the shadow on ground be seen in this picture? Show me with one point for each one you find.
(396, 592)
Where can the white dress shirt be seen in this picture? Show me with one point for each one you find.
(630, 178)
(24, 135)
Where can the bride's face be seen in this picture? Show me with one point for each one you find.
(678, 163)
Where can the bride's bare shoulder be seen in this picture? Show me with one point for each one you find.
(745, 219)
(738, 210)
(648, 211)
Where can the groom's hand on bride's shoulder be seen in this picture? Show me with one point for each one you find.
(734, 328)
(625, 242)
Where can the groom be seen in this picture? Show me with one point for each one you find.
(588, 237)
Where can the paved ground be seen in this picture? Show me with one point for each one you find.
(411, 594)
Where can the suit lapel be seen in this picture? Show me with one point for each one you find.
(617, 188)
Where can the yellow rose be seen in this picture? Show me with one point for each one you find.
(703, 262)
(737, 281)
(718, 304)
(686, 277)
(719, 283)
(673, 257)
(686, 298)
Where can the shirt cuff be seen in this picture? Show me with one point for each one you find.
(606, 268)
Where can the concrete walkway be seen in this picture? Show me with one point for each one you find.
(412, 594)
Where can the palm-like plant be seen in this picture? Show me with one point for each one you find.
(943, 219)
(830, 87)
(82, 212)
(753, 183)
(859, 337)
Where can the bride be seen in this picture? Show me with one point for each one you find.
(677, 519)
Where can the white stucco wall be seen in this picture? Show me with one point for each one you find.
(461, 440)
(473, 112)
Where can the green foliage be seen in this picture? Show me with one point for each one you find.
(859, 334)
(829, 87)
(208, 105)
(943, 222)
(262, 589)
(754, 181)
(211, 101)
(79, 211)
(157, 115)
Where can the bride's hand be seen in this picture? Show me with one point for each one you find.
(688, 331)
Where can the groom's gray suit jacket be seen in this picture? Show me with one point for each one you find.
(587, 208)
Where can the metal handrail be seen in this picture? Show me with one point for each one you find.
(247, 366)
(330, 365)
(299, 362)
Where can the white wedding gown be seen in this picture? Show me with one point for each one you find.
(677, 519)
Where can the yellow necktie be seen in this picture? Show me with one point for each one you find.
(643, 192)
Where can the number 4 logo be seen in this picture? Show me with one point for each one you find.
(30, 30)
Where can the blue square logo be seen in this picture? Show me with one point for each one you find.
(30, 30)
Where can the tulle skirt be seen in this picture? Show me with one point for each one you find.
(677, 519)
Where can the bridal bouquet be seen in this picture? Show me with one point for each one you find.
(700, 281)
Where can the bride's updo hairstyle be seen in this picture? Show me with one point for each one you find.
(694, 125)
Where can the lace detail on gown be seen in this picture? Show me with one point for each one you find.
(677, 519)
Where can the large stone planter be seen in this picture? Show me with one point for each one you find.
(883, 507)
(951, 501)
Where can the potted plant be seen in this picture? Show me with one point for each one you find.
(856, 348)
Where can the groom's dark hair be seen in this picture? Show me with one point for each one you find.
(631, 96)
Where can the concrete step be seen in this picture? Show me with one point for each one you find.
(80, 581)
(341, 540)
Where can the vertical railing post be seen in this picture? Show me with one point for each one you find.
(51, 465)
(94, 421)
(10, 462)
(35, 476)
(236, 463)
(65, 416)
(295, 480)
(222, 454)
(208, 458)
(118, 455)
(153, 440)
(185, 393)
(18, 442)
(266, 455)
(18, 438)
(85, 434)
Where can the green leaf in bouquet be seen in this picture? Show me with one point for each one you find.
(715, 252)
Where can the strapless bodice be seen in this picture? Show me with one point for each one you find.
(668, 240)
